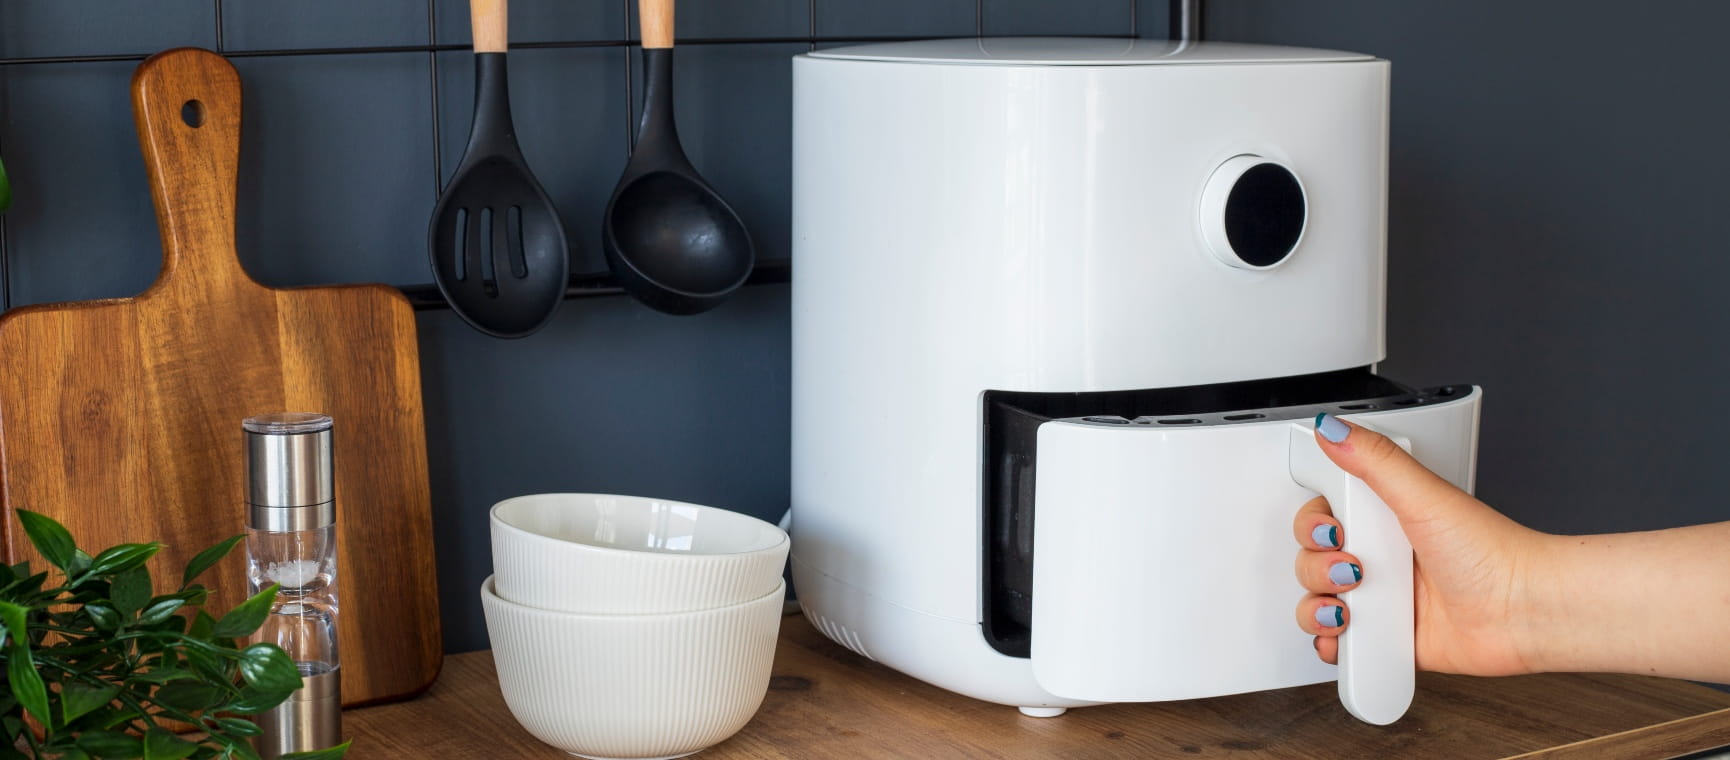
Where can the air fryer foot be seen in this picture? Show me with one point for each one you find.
(1043, 712)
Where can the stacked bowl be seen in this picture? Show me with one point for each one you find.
(629, 627)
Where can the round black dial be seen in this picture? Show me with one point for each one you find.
(1264, 215)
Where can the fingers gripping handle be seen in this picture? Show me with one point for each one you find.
(1378, 665)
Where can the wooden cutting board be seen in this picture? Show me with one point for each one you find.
(121, 418)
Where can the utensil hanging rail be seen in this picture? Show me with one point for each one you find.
(426, 297)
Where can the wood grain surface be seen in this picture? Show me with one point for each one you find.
(489, 22)
(656, 19)
(121, 418)
(1676, 738)
(826, 702)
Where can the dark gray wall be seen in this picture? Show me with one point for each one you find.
(1555, 232)
(1558, 235)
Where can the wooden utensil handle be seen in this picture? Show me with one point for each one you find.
(186, 103)
(656, 17)
(490, 20)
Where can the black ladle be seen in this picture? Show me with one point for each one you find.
(498, 250)
(670, 240)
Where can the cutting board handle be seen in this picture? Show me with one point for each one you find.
(186, 102)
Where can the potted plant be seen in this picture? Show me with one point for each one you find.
(100, 666)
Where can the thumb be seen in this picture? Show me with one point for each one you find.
(1411, 490)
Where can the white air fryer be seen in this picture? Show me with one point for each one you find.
(1064, 311)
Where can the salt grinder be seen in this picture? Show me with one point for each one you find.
(291, 541)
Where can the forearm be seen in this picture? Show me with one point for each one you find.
(1653, 603)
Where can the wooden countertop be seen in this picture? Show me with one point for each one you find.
(826, 702)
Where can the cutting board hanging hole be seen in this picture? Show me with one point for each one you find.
(192, 112)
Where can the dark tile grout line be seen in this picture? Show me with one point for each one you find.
(452, 47)
(630, 89)
(219, 40)
(433, 78)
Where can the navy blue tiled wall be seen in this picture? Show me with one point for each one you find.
(335, 153)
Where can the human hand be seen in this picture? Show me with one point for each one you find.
(1470, 591)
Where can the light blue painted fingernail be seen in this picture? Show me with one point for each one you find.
(1326, 536)
(1330, 616)
(1345, 573)
(1331, 428)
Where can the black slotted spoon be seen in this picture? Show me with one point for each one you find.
(498, 251)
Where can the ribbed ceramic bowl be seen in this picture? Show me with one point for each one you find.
(597, 553)
(633, 686)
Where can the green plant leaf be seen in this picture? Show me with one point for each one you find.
(14, 617)
(8, 753)
(190, 697)
(268, 668)
(207, 558)
(80, 563)
(239, 726)
(27, 685)
(119, 559)
(162, 675)
(320, 754)
(110, 744)
(247, 616)
(78, 698)
(209, 667)
(202, 623)
(24, 589)
(130, 590)
(103, 616)
(242, 750)
(175, 623)
(160, 611)
(195, 594)
(253, 701)
(107, 718)
(74, 753)
(162, 745)
(49, 537)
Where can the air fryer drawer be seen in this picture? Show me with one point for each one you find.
(1013, 420)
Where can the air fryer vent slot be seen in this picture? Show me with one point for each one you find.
(838, 633)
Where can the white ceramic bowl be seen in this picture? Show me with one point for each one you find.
(633, 686)
(596, 553)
